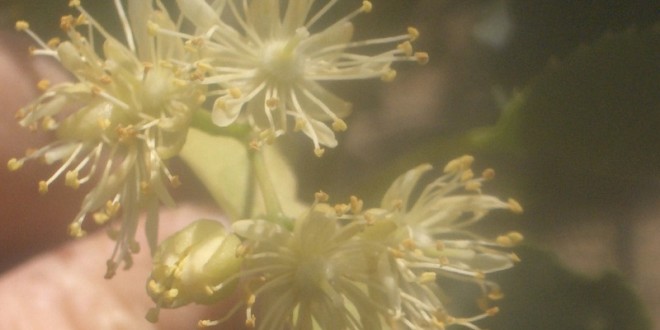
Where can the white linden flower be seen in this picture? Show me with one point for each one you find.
(268, 64)
(127, 113)
(427, 238)
(314, 276)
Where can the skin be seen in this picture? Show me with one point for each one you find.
(47, 279)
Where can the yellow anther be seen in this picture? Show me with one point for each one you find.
(396, 253)
(495, 295)
(22, 26)
(272, 103)
(81, 20)
(54, 42)
(100, 218)
(515, 237)
(180, 82)
(235, 92)
(488, 174)
(242, 250)
(104, 123)
(459, 164)
(96, 90)
(43, 187)
(321, 196)
(356, 205)
(71, 179)
(74, 3)
(514, 257)
(75, 230)
(514, 206)
(504, 241)
(300, 124)
(206, 323)
(406, 48)
(413, 33)
(319, 152)
(155, 288)
(111, 208)
(341, 209)
(492, 311)
(443, 261)
(48, 123)
(171, 294)
(126, 133)
(43, 84)
(20, 114)
(152, 28)
(467, 175)
(388, 76)
(427, 277)
(366, 6)
(339, 125)
(255, 145)
(422, 57)
(409, 244)
(251, 321)
(14, 164)
(67, 22)
(175, 181)
(105, 79)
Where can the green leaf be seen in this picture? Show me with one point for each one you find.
(222, 164)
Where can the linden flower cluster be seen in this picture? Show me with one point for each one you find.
(127, 113)
(260, 63)
(341, 267)
(268, 64)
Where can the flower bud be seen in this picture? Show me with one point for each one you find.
(191, 261)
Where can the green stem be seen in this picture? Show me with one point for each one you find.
(273, 207)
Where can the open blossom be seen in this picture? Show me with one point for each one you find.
(427, 240)
(343, 267)
(266, 58)
(127, 113)
(314, 274)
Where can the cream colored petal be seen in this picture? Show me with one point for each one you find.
(338, 106)
(138, 13)
(118, 57)
(320, 132)
(335, 35)
(226, 111)
(399, 191)
(295, 16)
(200, 13)
(167, 47)
(264, 17)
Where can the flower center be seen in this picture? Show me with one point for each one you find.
(281, 60)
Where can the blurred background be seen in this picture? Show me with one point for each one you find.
(562, 98)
